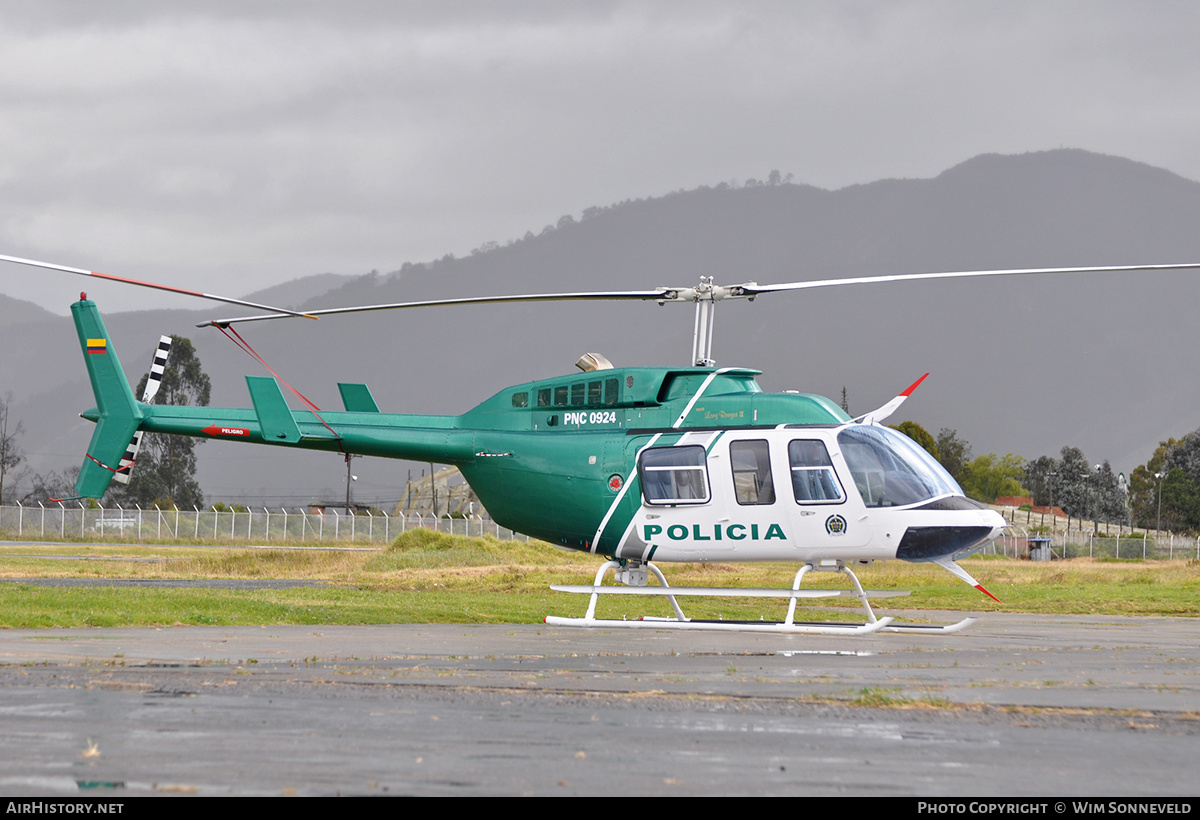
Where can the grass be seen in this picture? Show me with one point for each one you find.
(427, 577)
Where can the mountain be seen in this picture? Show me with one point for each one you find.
(1020, 364)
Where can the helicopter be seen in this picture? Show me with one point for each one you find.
(641, 465)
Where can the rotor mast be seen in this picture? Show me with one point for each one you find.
(702, 334)
(706, 295)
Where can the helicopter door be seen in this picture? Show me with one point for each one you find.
(824, 514)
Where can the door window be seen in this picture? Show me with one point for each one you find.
(813, 478)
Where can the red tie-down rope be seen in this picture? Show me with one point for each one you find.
(244, 345)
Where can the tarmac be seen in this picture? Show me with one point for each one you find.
(1016, 705)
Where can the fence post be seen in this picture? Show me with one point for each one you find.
(82, 516)
(43, 506)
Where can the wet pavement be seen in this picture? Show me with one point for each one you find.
(1015, 705)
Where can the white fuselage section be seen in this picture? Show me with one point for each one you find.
(848, 493)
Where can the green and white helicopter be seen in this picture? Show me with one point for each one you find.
(642, 465)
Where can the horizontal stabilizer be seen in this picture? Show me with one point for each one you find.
(357, 398)
(274, 416)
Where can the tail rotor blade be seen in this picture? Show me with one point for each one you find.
(124, 470)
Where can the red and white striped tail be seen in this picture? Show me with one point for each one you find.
(122, 473)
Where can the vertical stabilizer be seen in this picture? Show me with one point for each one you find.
(119, 413)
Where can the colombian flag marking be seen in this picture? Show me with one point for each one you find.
(97, 345)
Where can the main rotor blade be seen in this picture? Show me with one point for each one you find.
(140, 283)
(658, 294)
(753, 288)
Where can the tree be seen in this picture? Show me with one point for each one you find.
(52, 485)
(10, 454)
(954, 453)
(920, 435)
(1145, 483)
(1170, 480)
(165, 471)
(988, 477)
(1180, 501)
(1109, 496)
(1071, 489)
(1039, 476)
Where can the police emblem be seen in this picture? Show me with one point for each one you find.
(835, 525)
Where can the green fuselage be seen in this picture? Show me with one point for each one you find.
(546, 458)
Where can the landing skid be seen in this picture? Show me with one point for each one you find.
(636, 577)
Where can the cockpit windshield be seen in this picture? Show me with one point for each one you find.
(890, 469)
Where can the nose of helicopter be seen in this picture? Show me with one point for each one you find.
(967, 533)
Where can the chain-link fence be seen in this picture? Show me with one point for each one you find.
(1016, 543)
(265, 526)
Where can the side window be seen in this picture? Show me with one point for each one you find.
(560, 396)
(544, 397)
(813, 478)
(520, 399)
(612, 391)
(674, 475)
(751, 463)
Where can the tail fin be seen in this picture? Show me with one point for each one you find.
(118, 413)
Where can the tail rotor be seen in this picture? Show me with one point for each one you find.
(153, 382)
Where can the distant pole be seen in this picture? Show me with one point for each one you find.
(1158, 522)
(349, 478)
(433, 493)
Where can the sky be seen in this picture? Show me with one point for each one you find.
(228, 146)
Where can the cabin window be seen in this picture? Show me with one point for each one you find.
(890, 469)
(751, 462)
(520, 399)
(560, 396)
(578, 394)
(544, 397)
(612, 391)
(674, 475)
(813, 478)
(594, 394)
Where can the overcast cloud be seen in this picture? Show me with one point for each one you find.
(229, 146)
